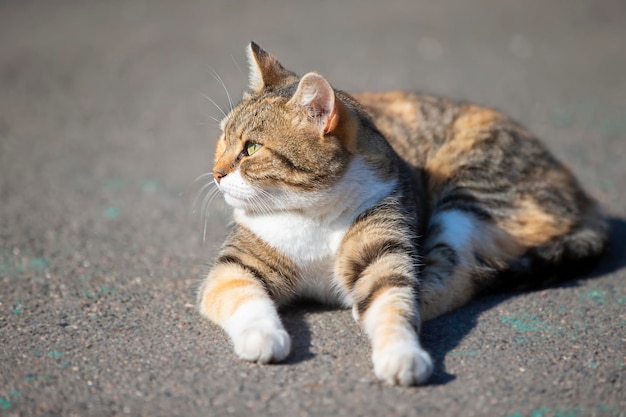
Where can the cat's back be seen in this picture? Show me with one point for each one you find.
(420, 126)
(447, 138)
(414, 124)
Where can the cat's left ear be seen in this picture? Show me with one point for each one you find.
(265, 70)
(317, 97)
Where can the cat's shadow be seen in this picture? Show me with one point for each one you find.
(443, 334)
(296, 325)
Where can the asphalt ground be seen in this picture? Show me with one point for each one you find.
(104, 126)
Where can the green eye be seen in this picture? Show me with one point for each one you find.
(252, 148)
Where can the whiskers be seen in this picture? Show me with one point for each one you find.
(215, 119)
(207, 192)
(263, 202)
(207, 188)
(217, 78)
(258, 201)
(221, 82)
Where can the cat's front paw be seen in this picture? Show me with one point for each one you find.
(258, 344)
(402, 364)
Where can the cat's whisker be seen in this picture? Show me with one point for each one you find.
(216, 120)
(256, 205)
(264, 206)
(219, 79)
(203, 176)
(207, 193)
(257, 202)
(208, 200)
(265, 193)
(274, 203)
(237, 65)
(215, 104)
(264, 196)
(201, 191)
(206, 219)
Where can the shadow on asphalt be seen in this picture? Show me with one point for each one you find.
(615, 257)
(293, 319)
(443, 334)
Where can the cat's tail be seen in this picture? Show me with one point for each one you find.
(562, 258)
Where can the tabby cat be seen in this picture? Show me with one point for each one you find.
(399, 205)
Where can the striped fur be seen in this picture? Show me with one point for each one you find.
(399, 205)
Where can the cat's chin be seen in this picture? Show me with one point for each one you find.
(236, 203)
(244, 205)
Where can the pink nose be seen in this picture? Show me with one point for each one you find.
(218, 175)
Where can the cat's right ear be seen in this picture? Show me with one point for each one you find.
(322, 107)
(265, 70)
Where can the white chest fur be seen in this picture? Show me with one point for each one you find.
(310, 243)
(311, 237)
(299, 237)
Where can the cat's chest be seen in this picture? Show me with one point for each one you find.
(301, 239)
(311, 244)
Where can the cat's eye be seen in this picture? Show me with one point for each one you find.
(251, 148)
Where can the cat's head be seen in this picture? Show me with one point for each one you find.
(288, 142)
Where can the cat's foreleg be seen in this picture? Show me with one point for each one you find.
(389, 322)
(233, 297)
(381, 278)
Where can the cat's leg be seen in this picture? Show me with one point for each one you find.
(236, 300)
(465, 255)
(377, 269)
(449, 262)
(391, 322)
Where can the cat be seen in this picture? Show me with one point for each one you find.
(398, 205)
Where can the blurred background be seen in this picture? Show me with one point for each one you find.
(105, 124)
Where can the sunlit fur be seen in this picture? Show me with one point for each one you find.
(401, 206)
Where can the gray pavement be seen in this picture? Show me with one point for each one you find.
(104, 127)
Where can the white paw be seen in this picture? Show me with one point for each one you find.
(259, 344)
(403, 364)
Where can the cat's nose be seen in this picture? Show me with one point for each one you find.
(218, 175)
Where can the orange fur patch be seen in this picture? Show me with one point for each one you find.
(220, 148)
(227, 288)
(496, 244)
(466, 134)
(533, 226)
(402, 108)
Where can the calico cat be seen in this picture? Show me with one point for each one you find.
(401, 206)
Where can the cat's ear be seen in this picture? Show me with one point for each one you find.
(317, 97)
(265, 70)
